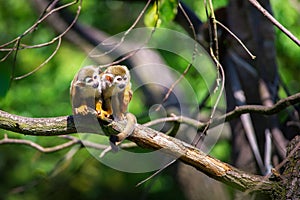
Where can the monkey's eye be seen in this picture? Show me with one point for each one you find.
(95, 77)
(119, 79)
(125, 78)
(88, 79)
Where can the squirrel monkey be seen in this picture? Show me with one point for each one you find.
(85, 91)
(104, 94)
(116, 94)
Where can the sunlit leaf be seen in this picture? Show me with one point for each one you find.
(161, 13)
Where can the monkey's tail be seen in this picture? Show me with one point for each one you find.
(129, 128)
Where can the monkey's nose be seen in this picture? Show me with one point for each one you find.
(95, 85)
(122, 86)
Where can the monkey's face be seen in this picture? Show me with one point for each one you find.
(120, 82)
(115, 79)
(88, 81)
(114, 83)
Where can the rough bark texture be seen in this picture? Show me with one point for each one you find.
(37, 126)
(147, 138)
(291, 175)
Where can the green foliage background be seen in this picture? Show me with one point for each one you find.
(24, 172)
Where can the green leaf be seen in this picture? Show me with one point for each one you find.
(151, 17)
(161, 13)
(168, 10)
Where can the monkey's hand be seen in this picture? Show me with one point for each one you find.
(84, 110)
(102, 114)
(115, 140)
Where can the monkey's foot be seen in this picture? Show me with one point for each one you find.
(104, 115)
(98, 107)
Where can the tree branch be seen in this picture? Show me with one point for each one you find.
(275, 22)
(238, 111)
(32, 144)
(259, 109)
(148, 138)
(37, 126)
(73, 141)
(65, 125)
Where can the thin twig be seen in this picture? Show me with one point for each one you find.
(40, 148)
(132, 53)
(41, 65)
(275, 22)
(222, 79)
(220, 70)
(73, 141)
(33, 27)
(179, 119)
(174, 84)
(238, 39)
(126, 32)
(36, 24)
(214, 33)
(155, 173)
(189, 65)
(59, 38)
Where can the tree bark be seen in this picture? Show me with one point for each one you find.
(148, 138)
(291, 174)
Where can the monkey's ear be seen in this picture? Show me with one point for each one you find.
(109, 78)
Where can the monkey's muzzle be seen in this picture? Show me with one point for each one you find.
(122, 86)
(95, 85)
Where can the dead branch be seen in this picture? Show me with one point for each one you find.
(147, 138)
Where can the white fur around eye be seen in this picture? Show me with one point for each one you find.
(88, 79)
(118, 79)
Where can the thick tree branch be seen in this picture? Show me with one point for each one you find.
(37, 126)
(148, 138)
(65, 125)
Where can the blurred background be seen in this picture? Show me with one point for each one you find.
(26, 173)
